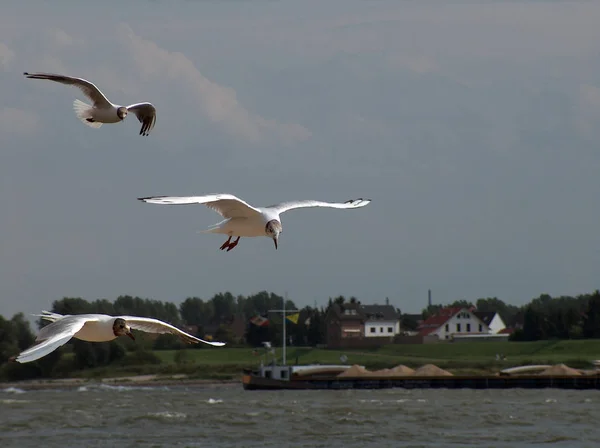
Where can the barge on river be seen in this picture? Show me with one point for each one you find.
(283, 376)
(315, 377)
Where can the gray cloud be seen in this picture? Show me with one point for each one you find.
(218, 103)
(6, 55)
(587, 114)
(17, 121)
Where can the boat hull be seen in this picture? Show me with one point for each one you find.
(587, 382)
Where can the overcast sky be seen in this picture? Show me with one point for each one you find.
(473, 126)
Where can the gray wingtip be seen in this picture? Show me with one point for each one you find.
(147, 198)
(361, 201)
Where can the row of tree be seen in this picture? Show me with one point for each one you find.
(561, 318)
(543, 318)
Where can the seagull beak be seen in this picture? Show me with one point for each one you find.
(275, 241)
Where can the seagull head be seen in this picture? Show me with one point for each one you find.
(122, 112)
(273, 229)
(121, 328)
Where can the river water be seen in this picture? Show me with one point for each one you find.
(228, 416)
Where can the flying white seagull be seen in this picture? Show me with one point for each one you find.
(242, 219)
(95, 328)
(102, 110)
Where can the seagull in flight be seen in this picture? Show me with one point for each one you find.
(95, 328)
(242, 219)
(101, 110)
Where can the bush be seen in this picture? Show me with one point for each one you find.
(140, 357)
(167, 342)
(182, 357)
(96, 354)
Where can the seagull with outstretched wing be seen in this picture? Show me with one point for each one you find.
(244, 220)
(96, 328)
(102, 110)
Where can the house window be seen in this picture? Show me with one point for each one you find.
(458, 328)
(468, 328)
(372, 329)
(284, 374)
(480, 328)
(381, 329)
(390, 329)
(447, 328)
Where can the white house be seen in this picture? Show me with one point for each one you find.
(381, 320)
(492, 319)
(451, 321)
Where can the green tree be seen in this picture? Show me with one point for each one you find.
(591, 323)
(195, 311)
(461, 304)
(533, 326)
(408, 322)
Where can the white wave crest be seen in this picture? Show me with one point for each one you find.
(13, 390)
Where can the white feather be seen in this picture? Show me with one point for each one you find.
(83, 112)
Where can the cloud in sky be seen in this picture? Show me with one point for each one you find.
(17, 121)
(218, 103)
(6, 55)
(418, 64)
(61, 39)
(588, 111)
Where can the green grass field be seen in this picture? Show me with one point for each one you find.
(463, 357)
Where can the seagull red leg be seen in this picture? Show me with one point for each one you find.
(226, 243)
(232, 245)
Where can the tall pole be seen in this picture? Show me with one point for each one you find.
(284, 312)
(284, 324)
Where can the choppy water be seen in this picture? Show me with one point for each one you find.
(228, 416)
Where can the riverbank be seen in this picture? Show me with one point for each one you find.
(134, 380)
(224, 365)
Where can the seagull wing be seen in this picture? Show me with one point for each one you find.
(150, 325)
(146, 113)
(285, 206)
(89, 89)
(53, 336)
(226, 205)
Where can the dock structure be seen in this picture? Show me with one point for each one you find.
(583, 382)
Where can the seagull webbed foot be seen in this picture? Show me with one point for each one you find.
(226, 244)
(232, 245)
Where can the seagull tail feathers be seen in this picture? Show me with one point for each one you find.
(215, 228)
(83, 112)
(47, 315)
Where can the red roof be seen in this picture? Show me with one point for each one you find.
(434, 322)
(507, 331)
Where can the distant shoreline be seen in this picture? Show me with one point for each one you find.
(136, 380)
